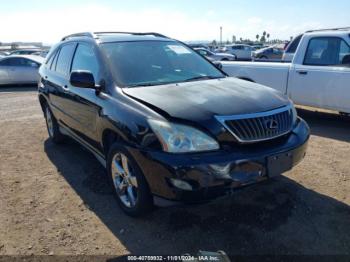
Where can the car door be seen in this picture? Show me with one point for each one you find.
(237, 51)
(83, 100)
(322, 78)
(57, 79)
(247, 52)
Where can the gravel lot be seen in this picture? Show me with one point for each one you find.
(55, 199)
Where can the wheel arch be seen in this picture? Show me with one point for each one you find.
(43, 101)
(109, 137)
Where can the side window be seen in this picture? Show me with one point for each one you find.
(64, 59)
(203, 52)
(85, 59)
(49, 59)
(247, 48)
(17, 62)
(54, 61)
(344, 54)
(327, 51)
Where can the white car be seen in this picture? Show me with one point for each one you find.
(215, 56)
(242, 52)
(18, 69)
(318, 76)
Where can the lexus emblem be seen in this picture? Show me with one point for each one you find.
(271, 124)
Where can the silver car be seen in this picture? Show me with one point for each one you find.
(242, 52)
(215, 56)
(20, 69)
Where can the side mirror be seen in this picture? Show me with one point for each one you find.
(218, 64)
(83, 79)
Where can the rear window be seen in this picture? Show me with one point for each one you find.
(292, 47)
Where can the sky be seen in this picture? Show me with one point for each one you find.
(48, 21)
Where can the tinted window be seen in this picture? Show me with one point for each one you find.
(247, 48)
(50, 59)
(22, 62)
(292, 47)
(64, 59)
(203, 52)
(85, 59)
(327, 51)
(156, 62)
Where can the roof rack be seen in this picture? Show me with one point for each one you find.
(87, 34)
(133, 33)
(329, 29)
(94, 34)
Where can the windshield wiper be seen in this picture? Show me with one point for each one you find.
(202, 78)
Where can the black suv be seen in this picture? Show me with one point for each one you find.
(167, 124)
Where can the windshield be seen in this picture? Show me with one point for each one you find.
(144, 63)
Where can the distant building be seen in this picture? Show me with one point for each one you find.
(20, 45)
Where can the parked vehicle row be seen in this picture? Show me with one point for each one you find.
(215, 56)
(166, 123)
(318, 76)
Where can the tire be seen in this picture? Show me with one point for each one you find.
(224, 59)
(52, 126)
(263, 57)
(129, 184)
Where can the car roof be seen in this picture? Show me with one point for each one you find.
(329, 33)
(105, 37)
(35, 58)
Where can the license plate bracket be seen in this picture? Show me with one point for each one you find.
(279, 163)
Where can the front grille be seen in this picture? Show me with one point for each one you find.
(260, 126)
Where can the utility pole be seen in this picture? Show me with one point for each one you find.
(220, 35)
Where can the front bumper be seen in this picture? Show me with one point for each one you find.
(215, 174)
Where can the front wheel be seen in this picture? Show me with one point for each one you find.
(130, 186)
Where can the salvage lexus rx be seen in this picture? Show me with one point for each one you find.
(167, 124)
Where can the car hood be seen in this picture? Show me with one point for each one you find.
(202, 100)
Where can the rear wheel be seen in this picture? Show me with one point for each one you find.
(263, 57)
(52, 126)
(130, 186)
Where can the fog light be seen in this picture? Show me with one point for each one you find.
(181, 184)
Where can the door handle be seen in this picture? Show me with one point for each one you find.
(301, 72)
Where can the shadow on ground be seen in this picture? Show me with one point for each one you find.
(329, 125)
(276, 217)
(18, 88)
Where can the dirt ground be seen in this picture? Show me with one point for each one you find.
(56, 200)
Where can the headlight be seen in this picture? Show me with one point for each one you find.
(176, 138)
(294, 112)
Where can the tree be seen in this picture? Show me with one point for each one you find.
(268, 36)
(233, 39)
(241, 39)
(257, 37)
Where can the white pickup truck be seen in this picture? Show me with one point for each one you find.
(318, 76)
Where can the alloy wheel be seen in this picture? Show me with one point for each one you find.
(124, 180)
(49, 122)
